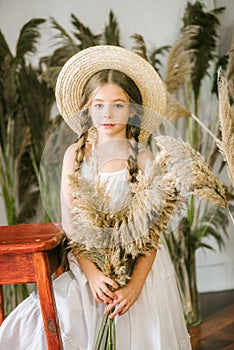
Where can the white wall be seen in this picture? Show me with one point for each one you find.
(159, 22)
(145, 17)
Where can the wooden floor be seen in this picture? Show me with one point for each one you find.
(216, 332)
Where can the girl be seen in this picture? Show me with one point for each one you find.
(101, 92)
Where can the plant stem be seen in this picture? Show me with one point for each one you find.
(205, 128)
(111, 345)
(230, 213)
(110, 340)
(101, 331)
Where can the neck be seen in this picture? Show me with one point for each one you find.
(111, 150)
(104, 138)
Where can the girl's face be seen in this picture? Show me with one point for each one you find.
(110, 111)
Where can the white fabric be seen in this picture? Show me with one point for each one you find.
(154, 322)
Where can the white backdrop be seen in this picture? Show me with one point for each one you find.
(159, 22)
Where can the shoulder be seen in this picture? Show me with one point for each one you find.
(70, 152)
(143, 157)
(70, 156)
(69, 159)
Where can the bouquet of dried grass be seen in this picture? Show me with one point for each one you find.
(114, 239)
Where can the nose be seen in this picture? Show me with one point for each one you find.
(107, 111)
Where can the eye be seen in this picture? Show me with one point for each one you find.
(98, 105)
(118, 105)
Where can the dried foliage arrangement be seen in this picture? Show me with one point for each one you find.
(114, 239)
(25, 104)
(110, 238)
(158, 195)
(203, 220)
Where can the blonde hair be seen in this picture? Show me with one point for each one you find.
(132, 129)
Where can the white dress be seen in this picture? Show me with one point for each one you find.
(154, 322)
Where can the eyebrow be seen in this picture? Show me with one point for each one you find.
(116, 100)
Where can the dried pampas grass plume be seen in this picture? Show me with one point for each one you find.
(226, 116)
(180, 62)
(175, 109)
(230, 71)
(140, 46)
(192, 171)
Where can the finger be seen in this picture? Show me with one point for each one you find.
(109, 307)
(104, 297)
(112, 305)
(98, 299)
(108, 292)
(118, 310)
(124, 310)
(101, 297)
(111, 283)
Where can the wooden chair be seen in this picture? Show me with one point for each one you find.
(30, 253)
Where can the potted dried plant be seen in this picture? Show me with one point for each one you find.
(188, 63)
(25, 104)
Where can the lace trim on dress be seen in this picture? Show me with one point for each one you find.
(183, 345)
(67, 339)
(170, 272)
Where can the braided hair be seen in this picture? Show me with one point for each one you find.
(133, 127)
(85, 124)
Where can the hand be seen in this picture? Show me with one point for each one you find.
(125, 297)
(99, 282)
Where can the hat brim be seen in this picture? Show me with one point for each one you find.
(83, 65)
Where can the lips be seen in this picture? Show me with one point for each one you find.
(108, 124)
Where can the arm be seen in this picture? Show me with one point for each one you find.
(97, 280)
(66, 199)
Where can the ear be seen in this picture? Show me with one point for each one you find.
(132, 111)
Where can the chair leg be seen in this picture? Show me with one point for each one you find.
(2, 313)
(47, 301)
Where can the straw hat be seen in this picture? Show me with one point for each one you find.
(83, 65)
